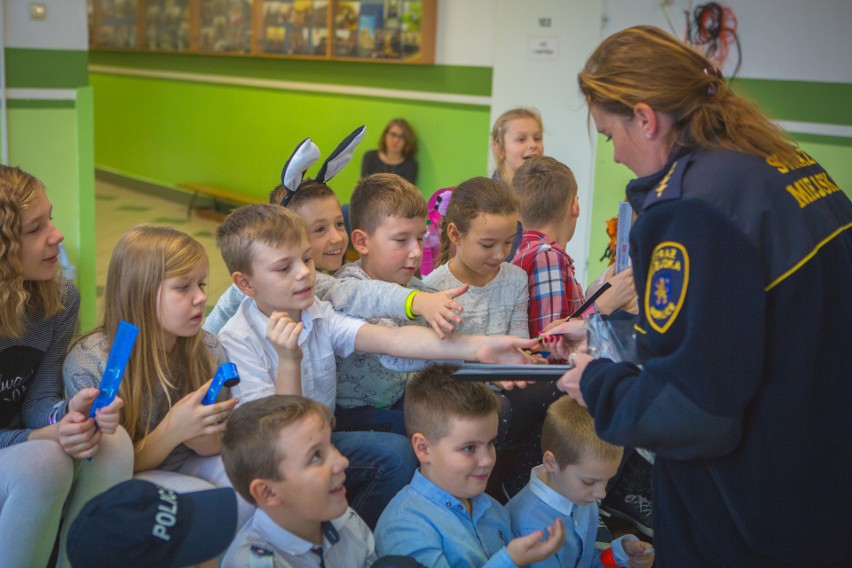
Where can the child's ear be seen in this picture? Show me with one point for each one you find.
(243, 283)
(263, 494)
(421, 446)
(359, 241)
(549, 461)
(453, 234)
(497, 148)
(575, 207)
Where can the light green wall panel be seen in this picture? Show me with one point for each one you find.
(167, 131)
(610, 182)
(86, 259)
(50, 143)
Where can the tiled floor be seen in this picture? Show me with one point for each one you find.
(119, 208)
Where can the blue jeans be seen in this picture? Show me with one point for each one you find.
(380, 464)
(371, 419)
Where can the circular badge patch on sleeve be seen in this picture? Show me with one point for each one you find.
(665, 290)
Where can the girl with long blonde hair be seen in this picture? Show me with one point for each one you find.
(156, 281)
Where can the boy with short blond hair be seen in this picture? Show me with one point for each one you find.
(388, 220)
(279, 456)
(443, 517)
(284, 340)
(576, 467)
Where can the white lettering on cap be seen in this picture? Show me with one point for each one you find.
(166, 515)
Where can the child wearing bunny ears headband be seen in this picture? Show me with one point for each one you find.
(318, 205)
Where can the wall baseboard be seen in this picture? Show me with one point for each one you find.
(142, 185)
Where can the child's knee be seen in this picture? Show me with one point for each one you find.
(46, 470)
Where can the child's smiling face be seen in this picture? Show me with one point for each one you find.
(460, 462)
(326, 231)
(523, 140)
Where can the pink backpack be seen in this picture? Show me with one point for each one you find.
(437, 206)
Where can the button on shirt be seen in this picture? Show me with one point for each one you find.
(327, 333)
(428, 524)
(261, 543)
(536, 506)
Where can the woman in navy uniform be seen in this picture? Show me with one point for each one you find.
(742, 257)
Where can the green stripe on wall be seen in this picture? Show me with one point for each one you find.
(46, 68)
(801, 101)
(429, 78)
(40, 103)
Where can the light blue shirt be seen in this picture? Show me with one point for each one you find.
(428, 524)
(261, 543)
(536, 506)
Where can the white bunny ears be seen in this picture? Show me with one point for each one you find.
(307, 153)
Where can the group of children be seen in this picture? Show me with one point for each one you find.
(325, 364)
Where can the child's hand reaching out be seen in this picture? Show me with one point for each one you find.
(636, 550)
(530, 549)
(439, 309)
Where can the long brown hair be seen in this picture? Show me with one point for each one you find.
(144, 257)
(644, 64)
(472, 197)
(19, 297)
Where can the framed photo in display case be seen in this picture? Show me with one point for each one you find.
(393, 31)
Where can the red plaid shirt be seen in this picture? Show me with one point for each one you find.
(554, 292)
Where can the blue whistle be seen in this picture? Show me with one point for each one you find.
(122, 345)
(226, 376)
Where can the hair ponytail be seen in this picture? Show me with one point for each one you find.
(644, 64)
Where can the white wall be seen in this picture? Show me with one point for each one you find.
(64, 28)
(550, 85)
(781, 39)
(465, 34)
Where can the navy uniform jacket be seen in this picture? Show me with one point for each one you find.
(743, 268)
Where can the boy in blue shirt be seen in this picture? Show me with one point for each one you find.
(443, 517)
(573, 476)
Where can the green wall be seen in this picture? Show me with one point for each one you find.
(50, 133)
(826, 103)
(166, 131)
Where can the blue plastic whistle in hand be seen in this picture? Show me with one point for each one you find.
(122, 345)
(226, 376)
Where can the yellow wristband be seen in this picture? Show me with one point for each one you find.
(409, 305)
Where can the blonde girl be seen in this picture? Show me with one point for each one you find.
(156, 280)
(44, 436)
(517, 135)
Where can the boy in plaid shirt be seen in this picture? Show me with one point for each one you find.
(549, 209)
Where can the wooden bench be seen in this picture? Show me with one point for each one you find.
(218, 194)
